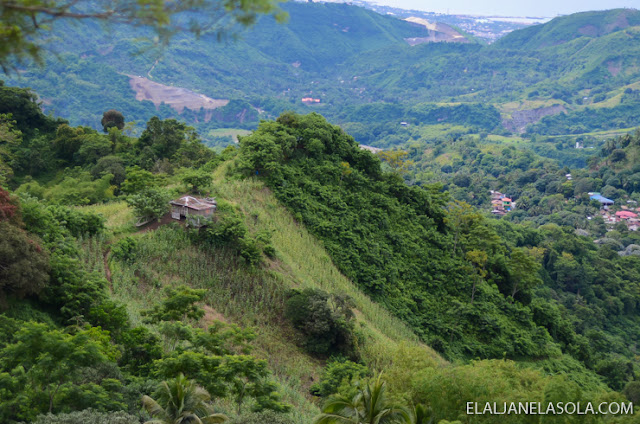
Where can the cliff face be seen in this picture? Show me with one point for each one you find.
(521, 118)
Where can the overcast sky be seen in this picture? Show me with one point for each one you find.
(547, 8)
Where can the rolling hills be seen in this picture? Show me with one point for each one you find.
(573, 68)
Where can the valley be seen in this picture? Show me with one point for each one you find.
(270, 222)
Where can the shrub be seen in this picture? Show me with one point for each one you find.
(265, 417)
(88, 416)
(125, 250)
(230, 231)
(150, 203)
(337, 373)
(325, 320)
(24, 264)
(77, 222)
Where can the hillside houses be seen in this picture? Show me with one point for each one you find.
(500, 204)
(604, 202)
(629, 217)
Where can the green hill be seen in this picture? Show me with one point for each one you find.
(352, 59)
(564, 29)
(320, 268)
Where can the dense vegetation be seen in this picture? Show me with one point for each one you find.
(470, 287)
(326, 269)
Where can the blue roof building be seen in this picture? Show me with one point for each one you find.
(600, 198)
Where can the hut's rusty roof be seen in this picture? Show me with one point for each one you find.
(194, 203)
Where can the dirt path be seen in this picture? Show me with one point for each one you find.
(107, 271)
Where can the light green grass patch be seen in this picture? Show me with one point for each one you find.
(232, 132)
(119, 216)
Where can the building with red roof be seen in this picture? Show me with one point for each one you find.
(626, 215)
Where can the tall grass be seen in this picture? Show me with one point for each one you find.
(119, 216)
(251, 297)
(240, 295)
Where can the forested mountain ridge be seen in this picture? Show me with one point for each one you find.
(257, 69)
(567, 28)
(349, 58)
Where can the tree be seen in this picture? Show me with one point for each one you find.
(8, 207)
(479, 259)
(325, 320)
(149, 204)
(70, 141)
(110, 165)
(179, 305)
(24, 23)
(618, 155)
(181, 401)
(461, 217)
(369, 406)
(112, 118)
(93, 148)
(24, 264)
(138, 180)
(524, 268)
(197, 180)
(10, 138)
(42, 365)
(396, 160)
(165, 137)
(22, 103)
(421, 415)
(336, 374)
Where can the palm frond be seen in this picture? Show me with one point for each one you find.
(153, 408)
(215, 419)
(334, 419)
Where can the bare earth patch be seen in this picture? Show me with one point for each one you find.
(177, 97)
(614, 67)
(211, 315)
(370, 148)
(438, 33)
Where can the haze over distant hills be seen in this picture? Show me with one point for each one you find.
(574, 76)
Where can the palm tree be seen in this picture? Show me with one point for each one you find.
(369, 406)
(181, 401)
(421, 415)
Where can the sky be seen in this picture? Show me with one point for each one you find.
(546, 8)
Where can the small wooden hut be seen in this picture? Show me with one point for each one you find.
(193, 209)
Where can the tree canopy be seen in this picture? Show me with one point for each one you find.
(24, 23)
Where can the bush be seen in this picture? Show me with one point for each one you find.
(266, 417)
(24, 264)
(325, 320)
(77, 222)
(125, 250)
(150, 203)
(632, 391)
(338, 373)
(230, 231)
(88, 416)
(197, 181)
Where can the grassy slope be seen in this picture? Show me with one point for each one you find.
(253, 298)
